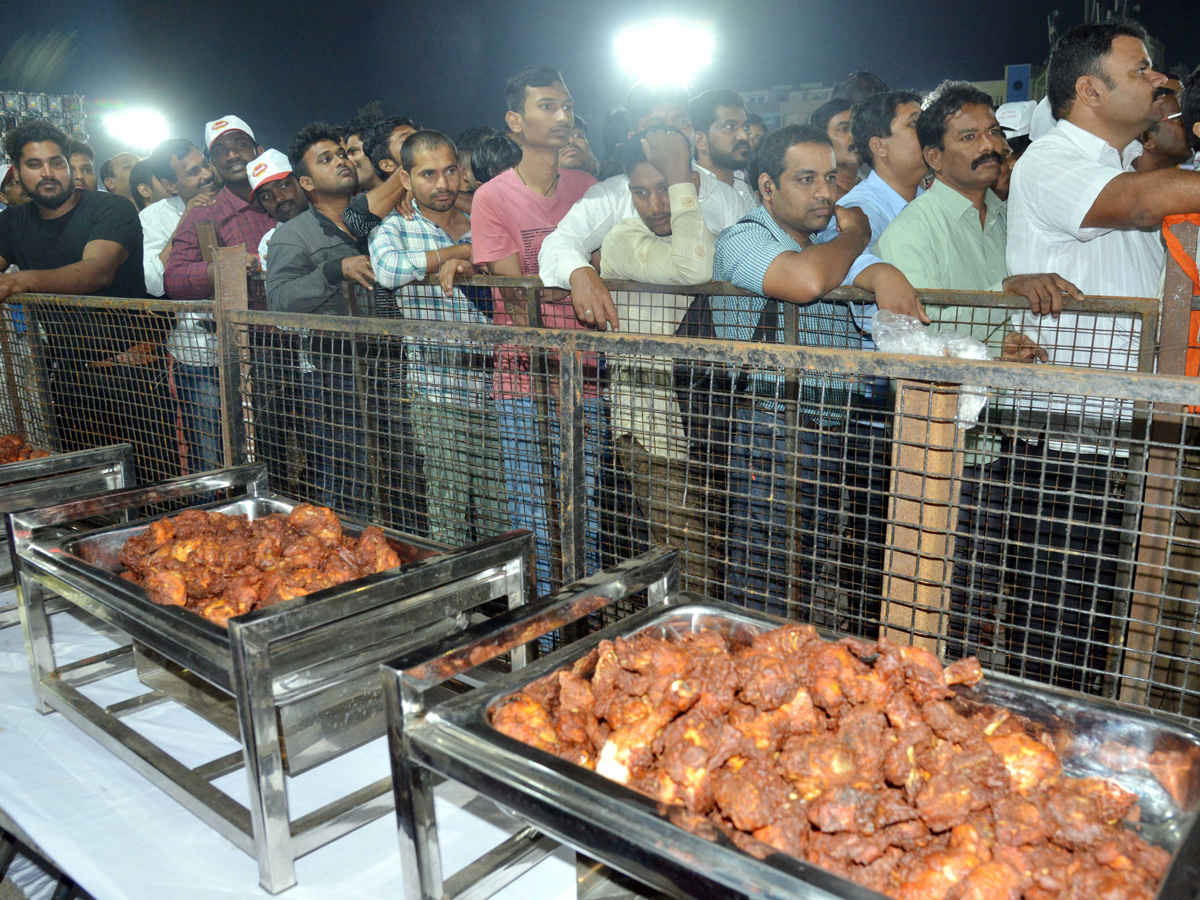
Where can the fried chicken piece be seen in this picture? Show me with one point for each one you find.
(1018, 821)
(946, 722)
(966, 784)
(814, 763)
(786, 642)
(766, 731)
(319, 521)
(964, 671)
(222, 610)
(308, 550)
(989, 881)
(374, 553)
(166, 587)
(767, 681)
(525, 719)
(691, 748)
(1030, 763)
(752, 794)
(930, 876)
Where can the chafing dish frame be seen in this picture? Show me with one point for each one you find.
(627, 830)
(31, 483)
(266, 659)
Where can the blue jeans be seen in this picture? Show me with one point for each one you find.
(199, 391)
(763, 538)
(337, 440)
(526, 478)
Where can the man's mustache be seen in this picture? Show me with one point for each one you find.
(986, 158)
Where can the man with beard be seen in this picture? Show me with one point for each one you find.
(381, 142)
(274, 187)
(578, 152)
(565, 258)
(83, 165)
(834, 119)
(774, 252)
(953, 237)
(187, 276)
(721, 140)
(453, 420)
(353, 136)
(313, 256)
(108, 378)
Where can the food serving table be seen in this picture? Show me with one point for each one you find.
(294, 685)
(1157, 759)
(31, 483)
(122, 838)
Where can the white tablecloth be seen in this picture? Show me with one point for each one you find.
(121, 838)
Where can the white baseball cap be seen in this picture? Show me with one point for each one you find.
(1015, 118)
(5, 169)
(218, 127)
(1043, 120)
(270, 166)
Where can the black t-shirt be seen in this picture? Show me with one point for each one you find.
(36, 243)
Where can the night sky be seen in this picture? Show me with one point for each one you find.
(279, 64)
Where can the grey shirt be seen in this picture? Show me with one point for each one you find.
(305, 275)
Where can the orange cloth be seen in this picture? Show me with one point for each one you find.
(1175, 248)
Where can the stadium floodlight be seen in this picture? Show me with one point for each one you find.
(138, 129)
(665, 50)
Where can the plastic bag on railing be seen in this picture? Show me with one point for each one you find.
(897, 333)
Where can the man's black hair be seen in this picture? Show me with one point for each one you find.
(161, 156)
(34, 132)
(644, 96)
(754, 119)
(703, 109)
(310, 134)
(632, 152)
(823, 114)
(494, 155)
(106, 170)
(470, 138)
(1189, 106)
(81, 147)
(872, 117)
(1081, 51)
(141, 173)
(530, 76)
(769, 157)
(419, 142)
(946, 100)
(359, 125)
(377, 137)
(858, 86)
(580, 123)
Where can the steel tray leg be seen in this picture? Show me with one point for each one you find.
(420, 854)
(31, 599)
(259, 724)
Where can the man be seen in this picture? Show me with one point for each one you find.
(144, 186)
(512, 215)
(355, 134)
(382, 141)
(466, 144)
(858, 86)
(313, 257)
(83, 164)
(179, 167)
(453, 421)
(1016, 120)
(578, 152)
(11, 192)
(667, 242)
(771, 253)
(756, 129)
(115, 175)
(953, 238)
(274, 187)
(1189, 107)
(722, 144)
(237, 220)
(1165, 143)
(565, 258)
(108, 382)
(834, 119)
(1074, 209)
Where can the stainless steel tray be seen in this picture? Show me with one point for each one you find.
(297, 682)
(636, 835)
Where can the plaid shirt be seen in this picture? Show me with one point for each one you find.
(236, 222)
(398, 247)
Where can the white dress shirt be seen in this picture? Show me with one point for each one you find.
(158, 224)
(582, 230)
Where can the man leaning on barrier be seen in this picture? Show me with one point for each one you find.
(772, 252)
(453, 418)
(107, 378)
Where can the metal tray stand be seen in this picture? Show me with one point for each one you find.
(638, 836)
(296, 682)
(31, 483)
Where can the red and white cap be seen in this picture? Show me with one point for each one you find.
(1016, 117)
(218, 127)
(270, 166)
(5, 171)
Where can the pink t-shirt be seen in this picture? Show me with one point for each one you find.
(507, 217)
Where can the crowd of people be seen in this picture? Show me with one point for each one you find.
(882, 189)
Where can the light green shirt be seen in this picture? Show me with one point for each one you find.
(937, 243)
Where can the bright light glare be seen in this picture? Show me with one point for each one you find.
(138, 129)
(665, 50)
